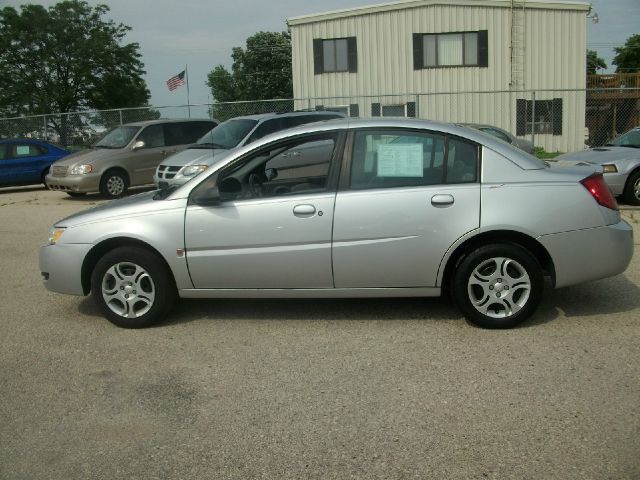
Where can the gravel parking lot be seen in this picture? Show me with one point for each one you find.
(391, 388)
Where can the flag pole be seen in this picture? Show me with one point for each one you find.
(186, 74)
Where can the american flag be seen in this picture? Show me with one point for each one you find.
(176, 81)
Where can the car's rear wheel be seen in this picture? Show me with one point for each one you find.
(113, 184)
(498, 285)
(632, 189)
(133, 287)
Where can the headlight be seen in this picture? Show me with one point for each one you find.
(192, 170)
(81, 169)
(610, 169)
(54, 235)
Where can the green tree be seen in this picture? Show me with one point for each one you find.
(66, 58)
(594, 62)
(627, 57)
(261, 71)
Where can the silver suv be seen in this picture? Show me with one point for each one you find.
(226, 137)
(125, 157)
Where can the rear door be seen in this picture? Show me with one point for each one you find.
(405, 198)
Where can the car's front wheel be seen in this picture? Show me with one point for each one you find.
(113, 184)
(498, 285)
(133, 287)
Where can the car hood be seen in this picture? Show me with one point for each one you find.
(86, 156)
(140, 204)
(196, 156)
(598, 156)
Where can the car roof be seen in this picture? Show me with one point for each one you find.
(144, 123)
(522, 158)
(298, 113)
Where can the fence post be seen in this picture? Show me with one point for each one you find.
(46, 136)
(533, 118)
(418, 106)
(120, 111)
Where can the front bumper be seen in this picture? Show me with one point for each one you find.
(61, 267)
(591, 254)
(74, 183)
(170, 178)
(615, 182)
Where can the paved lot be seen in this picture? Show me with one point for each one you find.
(310, 389)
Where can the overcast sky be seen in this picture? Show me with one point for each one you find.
(201, 33)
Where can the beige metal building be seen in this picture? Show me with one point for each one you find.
(516, 65)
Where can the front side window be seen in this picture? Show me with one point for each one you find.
(456, 49)
(299, 167)
(335, 55)
(152, 136)
(228, 134)
(118, 137)
(409, 159)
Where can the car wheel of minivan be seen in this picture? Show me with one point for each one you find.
(632, 189)
(113, 184)
(133, 287)
(498, 286)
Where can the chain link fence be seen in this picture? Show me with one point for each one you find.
(555, 120)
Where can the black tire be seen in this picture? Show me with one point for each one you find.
(113, 184)
(76, 194)
(506, 292)
(133, 287)
(632, 189)
(43, 178)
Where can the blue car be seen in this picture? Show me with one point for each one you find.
(25, 161)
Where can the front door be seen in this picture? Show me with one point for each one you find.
(142, 163)
(273, 228)
(409, 197)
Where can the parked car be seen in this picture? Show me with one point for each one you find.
(503, 135)
(359, 208)
(620, 161)
(26, 161)
(126, 156)
(223, 139)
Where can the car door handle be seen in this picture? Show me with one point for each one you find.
(304, 210)
(441, 200)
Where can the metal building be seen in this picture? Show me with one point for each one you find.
(517, 65)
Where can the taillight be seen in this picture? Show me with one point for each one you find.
(600, 191)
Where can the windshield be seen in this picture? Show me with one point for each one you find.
(228, 134)
(629, 139)
(117, 138)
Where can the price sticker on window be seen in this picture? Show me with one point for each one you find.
(400, 160)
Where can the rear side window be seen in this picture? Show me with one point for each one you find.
(393, 159)
(22, 150)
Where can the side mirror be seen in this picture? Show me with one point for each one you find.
(229, 188)
(271, 174)
(138, 145)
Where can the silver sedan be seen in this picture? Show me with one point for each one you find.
(620, 161)
(365, 208)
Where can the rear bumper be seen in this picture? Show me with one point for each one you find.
(61, 267)
(584, 255)
(74, 183)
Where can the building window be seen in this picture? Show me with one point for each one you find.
(456, 49)
(541, 116)
(395, 110)
(335, 55)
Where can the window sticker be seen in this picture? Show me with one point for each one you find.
(400, 160)
(22, 150)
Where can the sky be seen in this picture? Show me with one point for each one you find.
(200, 34)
